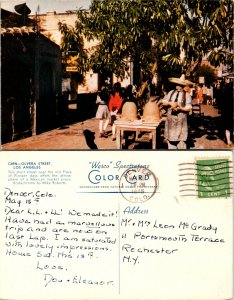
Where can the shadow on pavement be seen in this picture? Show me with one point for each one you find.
(89, 137)
(207, 126)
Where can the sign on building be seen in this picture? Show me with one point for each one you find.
(201, 80)
(71, 69)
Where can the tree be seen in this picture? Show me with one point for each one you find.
(73, 55)
(205, 71)
(72, 47)
(157, 34)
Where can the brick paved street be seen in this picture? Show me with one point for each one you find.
(204, 135)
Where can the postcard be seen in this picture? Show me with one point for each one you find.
(76, 225)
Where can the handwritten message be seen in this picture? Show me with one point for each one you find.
(56, 238)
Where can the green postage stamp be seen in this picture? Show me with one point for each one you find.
(206, 178)
(213, 178)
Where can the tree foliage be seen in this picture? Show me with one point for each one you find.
(73, 52)
(155, 34)
(205, 71)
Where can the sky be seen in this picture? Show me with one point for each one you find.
(47, 5)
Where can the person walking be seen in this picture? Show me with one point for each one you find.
(218, 94)
(115, 104)
(103, 114)
(204, 93)
(226, 107)
(200, 97)
(179, 103)
(209, 94)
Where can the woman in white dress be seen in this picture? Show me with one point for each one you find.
(103, 113)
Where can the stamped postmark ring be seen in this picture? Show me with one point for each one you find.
(138, 185)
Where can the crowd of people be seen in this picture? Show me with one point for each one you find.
(205, 94)
(220, 95)
(178, 105)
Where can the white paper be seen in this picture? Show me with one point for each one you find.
(111, 225)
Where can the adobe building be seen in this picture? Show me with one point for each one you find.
(30, 83)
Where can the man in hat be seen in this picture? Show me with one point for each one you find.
(179, 103)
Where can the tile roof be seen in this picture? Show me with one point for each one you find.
(17, 31)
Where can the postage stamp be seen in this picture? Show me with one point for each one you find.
(138, 185)
(213, 178)
(206, 178)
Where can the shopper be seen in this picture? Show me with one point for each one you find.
(103, 113)
(115, 104)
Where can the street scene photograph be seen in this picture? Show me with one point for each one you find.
(117, 75)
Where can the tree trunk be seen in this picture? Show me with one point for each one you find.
(145, 84)
(192, 68)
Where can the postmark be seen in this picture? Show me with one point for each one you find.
(138, 185)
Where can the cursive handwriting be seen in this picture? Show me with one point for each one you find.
(76, 279)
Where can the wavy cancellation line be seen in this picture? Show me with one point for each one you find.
(206, 178)
(206, 182)
(207, 189)
(207, 165)
(228, 194)
(204, 167)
